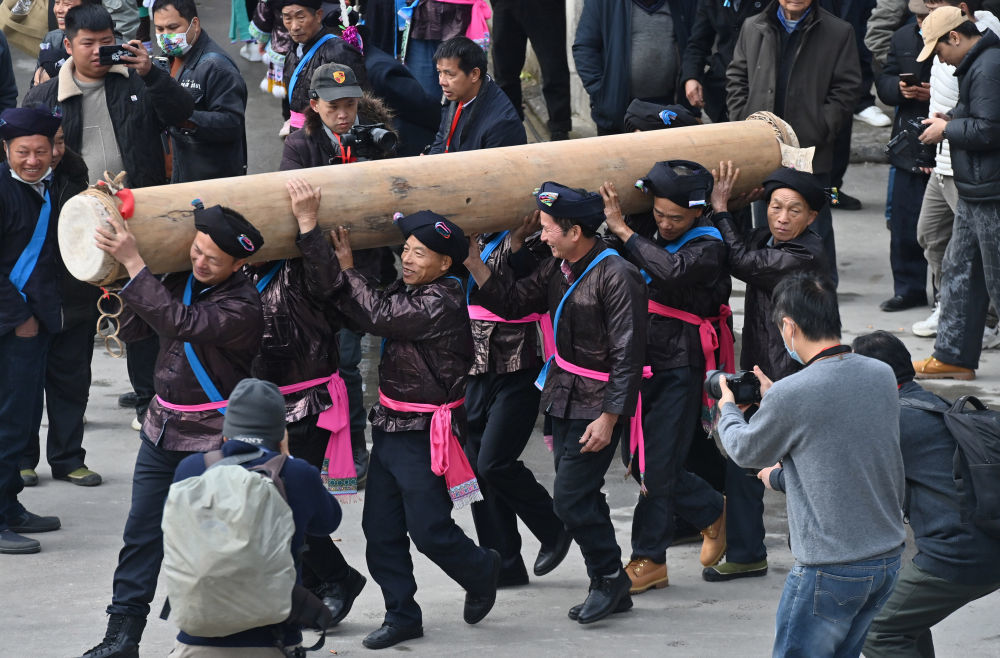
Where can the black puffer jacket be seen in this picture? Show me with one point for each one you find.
(141, 108)
(427, 350)
(905, 46)
(334, 50)
(974, 130)
(217, 145)
(300, 337)
(762, 266)
(602, 327)
(694, 279)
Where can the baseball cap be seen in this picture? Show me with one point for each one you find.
(332, 81)
(938, 23)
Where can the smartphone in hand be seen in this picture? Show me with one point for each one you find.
(111, 55)
(909, 79)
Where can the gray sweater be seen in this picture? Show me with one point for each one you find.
(835, 426)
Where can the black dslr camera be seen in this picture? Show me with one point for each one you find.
(743, 383)
(905, 150)
(373, 134)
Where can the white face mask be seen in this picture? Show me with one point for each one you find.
(40, 180)
(175, 44)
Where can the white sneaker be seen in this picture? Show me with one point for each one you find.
(250, 51)
(991, 337)
(136, 425)
(928, 328)
(873, 117)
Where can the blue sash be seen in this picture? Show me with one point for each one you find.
(26, 262)
(305, 60)
(199, 370)
(689, 235)
(266, 279)
(490, 247)
(540, 382)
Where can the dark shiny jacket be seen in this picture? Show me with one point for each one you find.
(141, 108)
(602, 327)
(217, 146)
(334, 50)
(300, 338)
(973, 132)
(694, 279)
(427, 349)
(503, 348)
(79, 299)
(20, 205)
(490, 121)
(223, 324)
(823, 83)
(762, 266)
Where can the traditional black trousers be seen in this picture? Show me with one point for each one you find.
(502, 409)
(671, 402)
(906, 256)
(579, 502)
(404, 497)
(140, 360)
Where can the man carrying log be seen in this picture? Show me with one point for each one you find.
(426, 355)
(599, 301)
(682, 257)
(209, 322)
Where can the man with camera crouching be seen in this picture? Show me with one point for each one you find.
(835, 428)
(769, 254)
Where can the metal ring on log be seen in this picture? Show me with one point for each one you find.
(482, 191)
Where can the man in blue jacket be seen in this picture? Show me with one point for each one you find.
(478, 114)
(955, 562)
(255, 421)
(628, 49)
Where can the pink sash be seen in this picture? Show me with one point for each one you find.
(710, 340)
(636, 441)
(447, 457)
(338, 464)
(297, 119)
(543, 319)
(479, 29)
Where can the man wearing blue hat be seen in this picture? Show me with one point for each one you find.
(417, 471)
(29, 305)
(597, 302)
(682, 257)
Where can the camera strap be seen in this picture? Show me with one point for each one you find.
(830, 351)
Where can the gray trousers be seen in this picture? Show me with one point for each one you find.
(970, 277)
(937, 214)
(902, 628)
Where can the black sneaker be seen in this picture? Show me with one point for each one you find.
(128, 400)
(30, 524)
(12, 543)
(121, 640)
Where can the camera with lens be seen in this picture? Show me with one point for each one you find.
(906, 151)
(374, 135)
(743, 383)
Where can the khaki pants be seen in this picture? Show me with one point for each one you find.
(181, 650)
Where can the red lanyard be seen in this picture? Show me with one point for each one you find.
(454, 123)
(345, 154)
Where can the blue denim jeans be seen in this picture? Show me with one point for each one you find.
(826, 610)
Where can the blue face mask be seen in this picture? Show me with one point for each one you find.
(792, 353)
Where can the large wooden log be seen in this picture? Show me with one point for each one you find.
(481, 191)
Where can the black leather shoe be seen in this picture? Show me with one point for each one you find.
(478, 605)
(549, 557)
(900, 303)
(339, 596)
(30, 524)
(623, 606)
(12, 543)
(605, 595)
(128, 400)
(389, 635)
(121, 639)
(515, 576)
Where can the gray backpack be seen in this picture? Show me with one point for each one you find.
(227, 556)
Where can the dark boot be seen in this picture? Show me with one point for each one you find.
(121, 639)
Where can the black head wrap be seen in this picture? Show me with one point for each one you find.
(686, 183)
(23, 121)
(805, 184)
(228, 229)
(643, 115)
(586, 208)
(436, 233)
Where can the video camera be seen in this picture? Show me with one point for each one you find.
(907, 152)
(374, 134)
(743, 383)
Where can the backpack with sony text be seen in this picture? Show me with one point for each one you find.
(227, 556)
(977, 460)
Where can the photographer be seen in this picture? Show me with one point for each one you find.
(835, 427)
(905, 84)
(768, 255)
